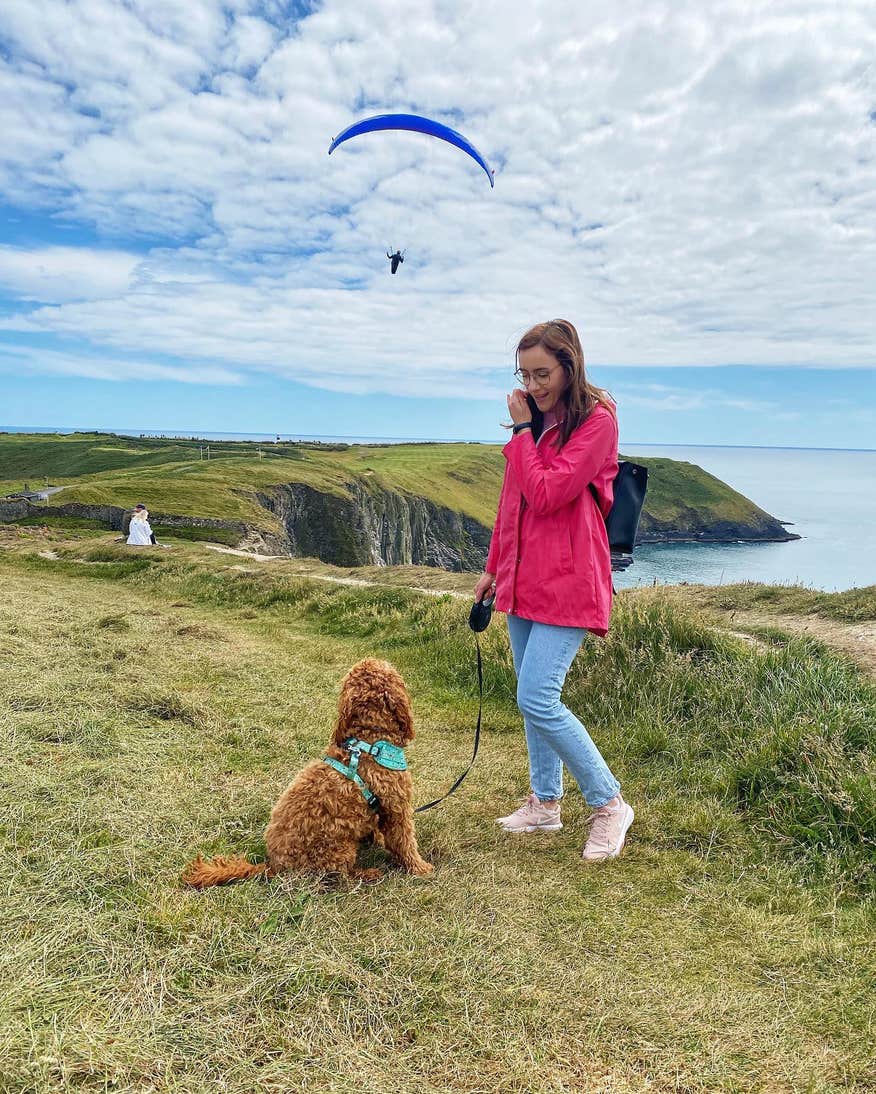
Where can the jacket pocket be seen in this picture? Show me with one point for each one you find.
(559, 546)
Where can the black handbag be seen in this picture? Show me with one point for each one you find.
(622, 522)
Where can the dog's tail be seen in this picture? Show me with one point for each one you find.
(202, 873)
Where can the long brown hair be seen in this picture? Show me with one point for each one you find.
(580, 397)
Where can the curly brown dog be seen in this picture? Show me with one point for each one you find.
(322, 817)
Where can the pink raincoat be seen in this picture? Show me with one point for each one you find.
(549, 549)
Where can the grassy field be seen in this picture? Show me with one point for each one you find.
(170, 477)
(849, 606)
(155, 704)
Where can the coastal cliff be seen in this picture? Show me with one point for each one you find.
(350, 505)
(690, 526)
(376, 527)
(372, 526)
(379, 527)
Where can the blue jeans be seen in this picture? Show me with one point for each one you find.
(554, 736)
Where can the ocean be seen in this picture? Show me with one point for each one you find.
(828, 495)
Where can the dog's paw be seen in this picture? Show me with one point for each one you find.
(369, 876)
(422, 869)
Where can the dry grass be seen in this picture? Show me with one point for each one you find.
(849, 606)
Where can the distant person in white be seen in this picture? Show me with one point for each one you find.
(140, 533)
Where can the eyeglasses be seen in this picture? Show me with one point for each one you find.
(539, 377)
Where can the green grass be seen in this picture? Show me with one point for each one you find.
(157, 713)
(196, 534)
(169, 476)
(675, 488)
(37, 456)
(60, 522)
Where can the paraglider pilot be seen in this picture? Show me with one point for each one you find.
(395, 260)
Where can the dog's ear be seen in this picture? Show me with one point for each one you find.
(388, 688)
(347, 702)
(401, 707)
(361, 690)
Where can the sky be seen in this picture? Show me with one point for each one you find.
(692, 184)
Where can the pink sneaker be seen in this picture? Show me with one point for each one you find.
(610, 824)
(533, 816)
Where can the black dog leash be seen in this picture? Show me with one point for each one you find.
(478, 620)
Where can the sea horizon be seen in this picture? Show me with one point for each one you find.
(339, 438)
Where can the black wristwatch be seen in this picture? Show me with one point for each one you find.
(521, 425)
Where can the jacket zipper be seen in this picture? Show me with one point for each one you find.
(545, 433)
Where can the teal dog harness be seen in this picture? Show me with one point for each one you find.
(384, 753)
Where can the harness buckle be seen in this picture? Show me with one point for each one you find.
(353, 747)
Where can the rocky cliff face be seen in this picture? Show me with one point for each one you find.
(376, 528)
(379, 527)
(691, 527)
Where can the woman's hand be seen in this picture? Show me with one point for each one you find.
(518, 407)
(486, 586)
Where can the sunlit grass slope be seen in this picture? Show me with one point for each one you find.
(170, 476)
(850, 605)
(155, 703)
(676, 487)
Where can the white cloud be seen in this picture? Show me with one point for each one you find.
(679, 399)
(692, 185)
(58, 274)
(28, 361)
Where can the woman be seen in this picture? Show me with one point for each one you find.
(140, 533)
(549, 567)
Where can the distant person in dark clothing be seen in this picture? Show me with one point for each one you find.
(395, 260)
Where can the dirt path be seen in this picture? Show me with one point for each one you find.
(255, 556)
(858, 640)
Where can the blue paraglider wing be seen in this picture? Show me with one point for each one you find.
(417, 125)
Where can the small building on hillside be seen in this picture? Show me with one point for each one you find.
(27, 495)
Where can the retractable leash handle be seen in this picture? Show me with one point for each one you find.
(481, 613)
(478, 620)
